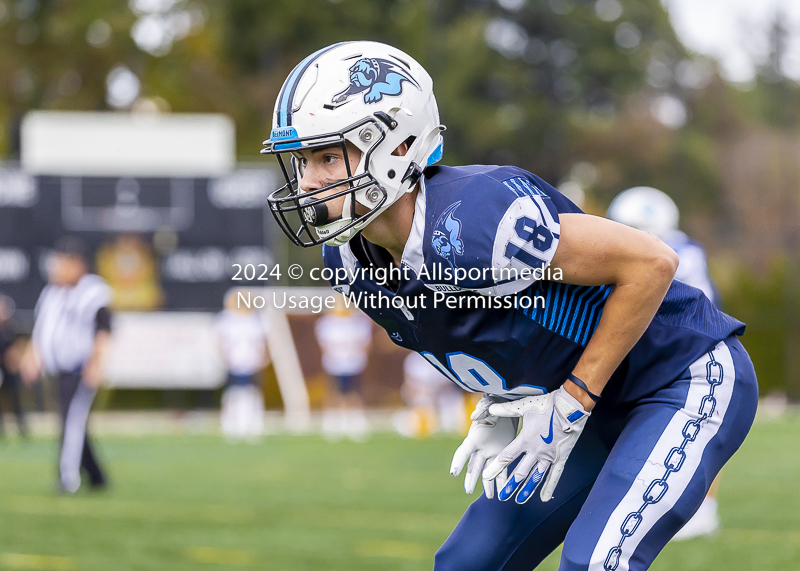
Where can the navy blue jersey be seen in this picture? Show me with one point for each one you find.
(471, 298)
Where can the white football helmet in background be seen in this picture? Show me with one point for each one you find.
(373, 96)
(647, 209)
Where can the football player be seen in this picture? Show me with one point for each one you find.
(651, 210)
(344, 336)
(632, 390)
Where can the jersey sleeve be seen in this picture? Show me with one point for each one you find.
(526, 239)
(102, 320)
(504, 235)
(693, 269)
(36, 334)
(95, 293)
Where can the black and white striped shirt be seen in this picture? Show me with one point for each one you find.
(66, 322)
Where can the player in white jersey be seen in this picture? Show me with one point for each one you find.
(344, 337)
(242, 334)
(652, 210)
(71, 334)
(435, 403)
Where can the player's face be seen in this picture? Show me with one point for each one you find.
(66, 270)
(323, 167)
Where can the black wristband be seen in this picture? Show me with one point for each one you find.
(582, 385)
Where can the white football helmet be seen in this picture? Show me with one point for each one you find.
(647, 209)
(373, 96)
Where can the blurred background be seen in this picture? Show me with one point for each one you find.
(698, 98)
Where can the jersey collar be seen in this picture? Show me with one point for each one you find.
(412, 253)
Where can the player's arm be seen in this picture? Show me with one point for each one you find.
(30, 364)
(13, 355)
(93, 370)
(597, 251)
(591, 251)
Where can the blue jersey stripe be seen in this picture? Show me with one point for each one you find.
(587, 314)
(532, 187)
(568, 315)
(522, 187)
(557, 293)
(286, 95)
(514, 188)
(596, 312)
(586, 291)
(544, 315)
(552, 311)
(571, 311)
(567, 308)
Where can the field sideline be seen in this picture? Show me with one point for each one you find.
(293, 503)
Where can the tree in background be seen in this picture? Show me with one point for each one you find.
(593, 95)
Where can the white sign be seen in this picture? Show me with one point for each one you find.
(164, 350)
(127, 144)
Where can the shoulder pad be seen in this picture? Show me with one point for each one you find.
(487, 231)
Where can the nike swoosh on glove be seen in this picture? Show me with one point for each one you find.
(551, 424)
(488, 435)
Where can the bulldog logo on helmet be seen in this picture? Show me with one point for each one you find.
(378, 77)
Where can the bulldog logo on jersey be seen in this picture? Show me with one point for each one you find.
(446, 239)
(378, 77)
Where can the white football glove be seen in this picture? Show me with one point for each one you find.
(551, 424)
(487, 436)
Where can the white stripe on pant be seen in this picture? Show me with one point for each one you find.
(657, 487)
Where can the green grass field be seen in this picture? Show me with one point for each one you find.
(301, 503)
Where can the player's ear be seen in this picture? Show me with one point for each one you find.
(402, 149)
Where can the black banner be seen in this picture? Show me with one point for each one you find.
(161, 243)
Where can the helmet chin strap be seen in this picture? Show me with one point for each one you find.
(343, 238)
(339, 223)
(347, 235)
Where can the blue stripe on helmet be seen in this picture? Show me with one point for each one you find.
(436, 155)
(287, 93)
(282, 134)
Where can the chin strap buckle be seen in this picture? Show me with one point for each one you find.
(413, 174)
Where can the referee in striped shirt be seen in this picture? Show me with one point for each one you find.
(71, 333)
